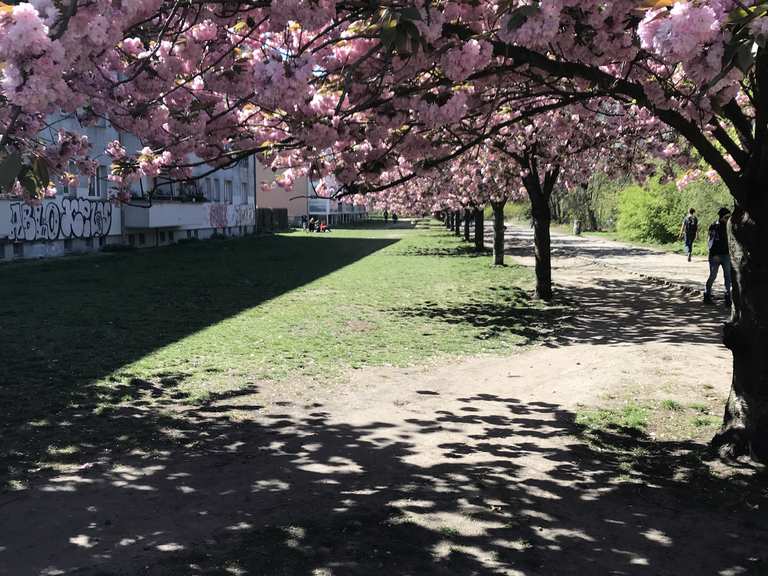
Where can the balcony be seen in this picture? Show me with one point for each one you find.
(189, 215)
(167, 215)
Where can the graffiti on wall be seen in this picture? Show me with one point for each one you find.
(217, 214)
(245, 215)
(226, 215)
(69, 218)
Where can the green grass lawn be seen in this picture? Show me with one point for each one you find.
(193, 323)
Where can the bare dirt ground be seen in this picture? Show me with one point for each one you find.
(470, 467)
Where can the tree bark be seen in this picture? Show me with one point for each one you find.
(449, 220)
(466, 224)
(498, 232)
(745, 422)
(543, 251)
(479, 230)
(457, 223)
(539, 193)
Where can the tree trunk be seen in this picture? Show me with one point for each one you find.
(540, 192)
(745, 423)
(542, 218)
(466, 224)
(479, 230)
(498, 232)
(457, 223)
(449, 220)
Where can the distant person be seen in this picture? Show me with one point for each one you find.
(386, 216)
(312, 224)
(323, 227)
(394, 218)
(719, 255)
(689, 230)
(304, 222)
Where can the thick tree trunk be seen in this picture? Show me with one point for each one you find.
(449, 220)
(498, 232)
(479, 230)
(542, 217)
(466, 224)
(745, 423)
(457, 223)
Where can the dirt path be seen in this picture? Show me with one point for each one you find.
(474, 467)
(666, 266)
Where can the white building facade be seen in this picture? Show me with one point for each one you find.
(82, 218)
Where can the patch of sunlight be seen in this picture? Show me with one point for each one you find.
(519, 544)
(735, 571)
(82, 540)
(334, 465)
(16, 485)
(51, 571)
(186, 489)
(240, 526)
(139, 487)
(657, 536)
(275, 485)
(134, 473)
(170, 547)
(127, 542)
(63, 450)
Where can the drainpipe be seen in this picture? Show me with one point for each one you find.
(255, 192)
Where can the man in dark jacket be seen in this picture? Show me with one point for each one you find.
(719, 255)
(689, 230)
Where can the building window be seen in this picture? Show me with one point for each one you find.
(142, 239)
(162, 236)
(244, 169)
(216, 190)
(208, 192)
(97, 184)
(244, 193)
(170, 236)
(228, 191)
(196, 235)
(18, 249)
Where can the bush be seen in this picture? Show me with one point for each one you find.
(645, 214)
(654, 213)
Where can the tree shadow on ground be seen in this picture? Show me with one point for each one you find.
(518, 315)
(483, 485)
(608, 312)
(91, 316)
(462, 250)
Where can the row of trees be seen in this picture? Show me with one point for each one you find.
(382, 93)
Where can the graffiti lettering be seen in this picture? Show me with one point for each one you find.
(245, 215)
(217, 214)
(71, 218)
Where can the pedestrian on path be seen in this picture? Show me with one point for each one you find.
(689, 230)
(719, 255)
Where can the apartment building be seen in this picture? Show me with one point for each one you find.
(82, 218)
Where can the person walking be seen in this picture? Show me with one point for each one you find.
(719, 255)
(689, 230)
